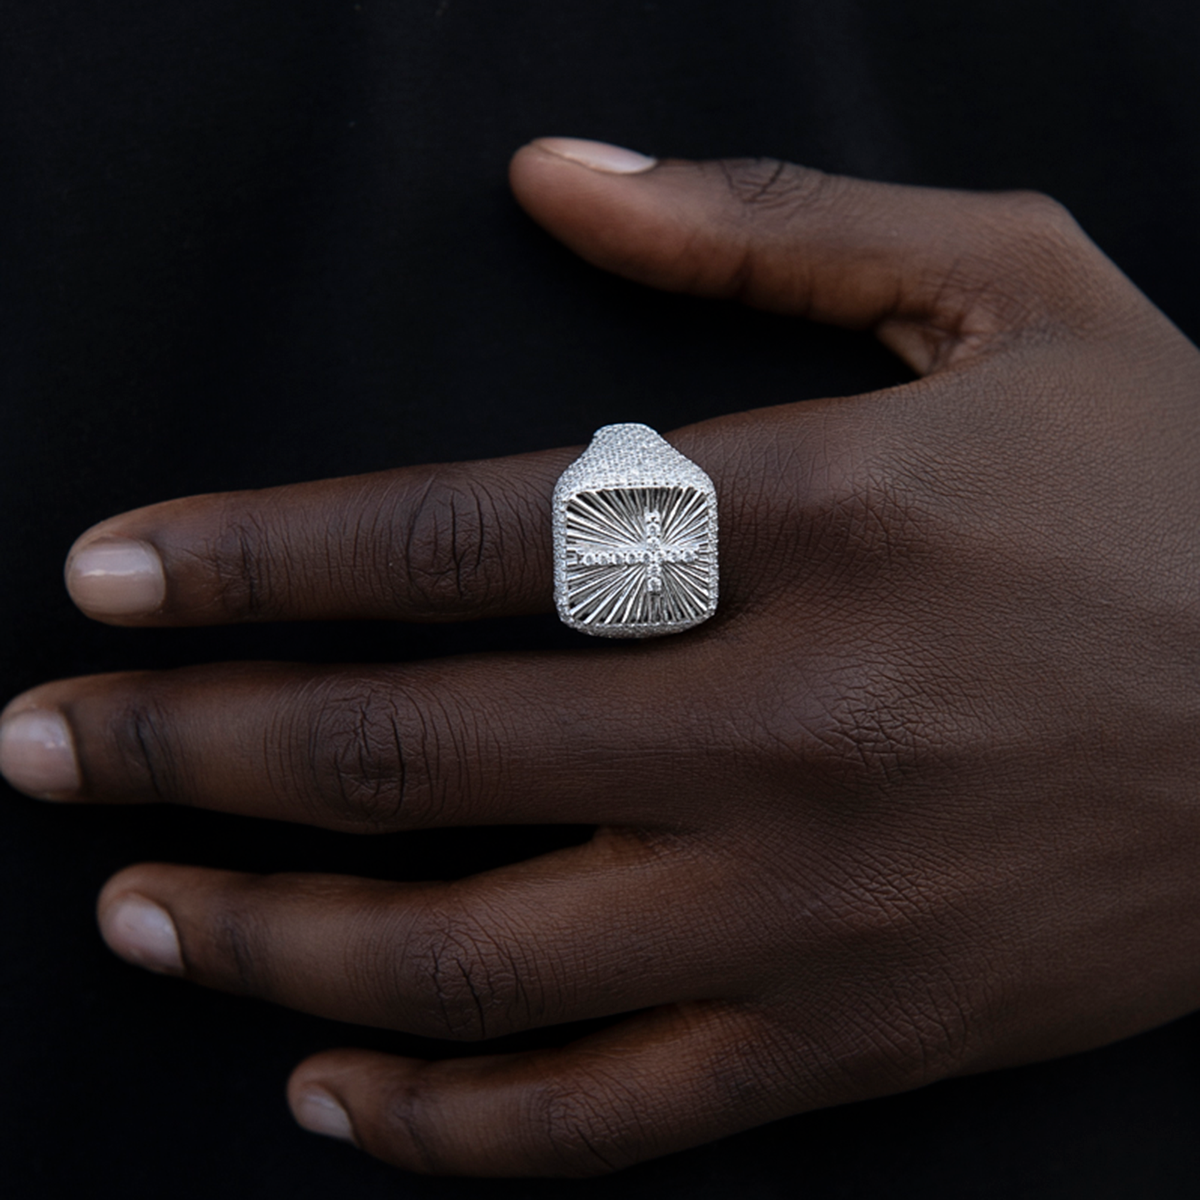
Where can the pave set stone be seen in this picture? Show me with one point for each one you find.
(635, 537)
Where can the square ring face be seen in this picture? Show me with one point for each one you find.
(638, 561)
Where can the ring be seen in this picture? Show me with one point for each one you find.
(635, 538)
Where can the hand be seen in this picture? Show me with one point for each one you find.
(922, 798)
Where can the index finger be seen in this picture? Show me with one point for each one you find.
(939, 275)
(431, 543)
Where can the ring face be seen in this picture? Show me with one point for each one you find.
(635, 538)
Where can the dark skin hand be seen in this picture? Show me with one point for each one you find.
(920, 800)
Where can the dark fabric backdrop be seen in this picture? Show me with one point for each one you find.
(252, 243)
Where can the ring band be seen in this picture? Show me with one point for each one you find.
(635, 538)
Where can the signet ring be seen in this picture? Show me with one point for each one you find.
(635, 538)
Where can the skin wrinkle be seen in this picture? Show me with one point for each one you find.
(763, 184)
(383, 583)
(405, 1113)
(365, 757)
(152, 774)
(139, 735)
(946, 328)
(450, 561)
(602, 1115)
(475, 981)
(239, 545)
(416, 511)
(378, 965)
(231, 951)
(482, 539)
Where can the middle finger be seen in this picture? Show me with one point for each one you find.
(498, 739)
(576, 934)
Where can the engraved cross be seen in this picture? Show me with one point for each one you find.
(654, 550)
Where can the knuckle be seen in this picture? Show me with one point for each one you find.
(244, 559)
(1030, 215)
(772, 184)
(860, 496)
(361, 753)
(235, 953)
(905, 1019)
(479, 986)
(594, 1127)
(877, 707)
(451, 556)
(1046, 238)
(148, 756)
(375, 755)
(233, 949)
(409, 1129)
(1038, 264)
(868, 729)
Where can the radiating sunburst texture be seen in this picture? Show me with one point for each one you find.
(638, 556)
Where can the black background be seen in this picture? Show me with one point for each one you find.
(252, 243)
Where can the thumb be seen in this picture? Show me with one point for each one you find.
(939, 275)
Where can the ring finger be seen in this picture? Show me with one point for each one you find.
(575, 934)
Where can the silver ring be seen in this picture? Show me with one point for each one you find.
(635, 538)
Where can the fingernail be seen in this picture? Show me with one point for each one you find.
(318, 1112)
(143, 934)
(37, 754)
(116, 578)
(600, 156)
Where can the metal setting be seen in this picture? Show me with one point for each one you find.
(635, 538)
